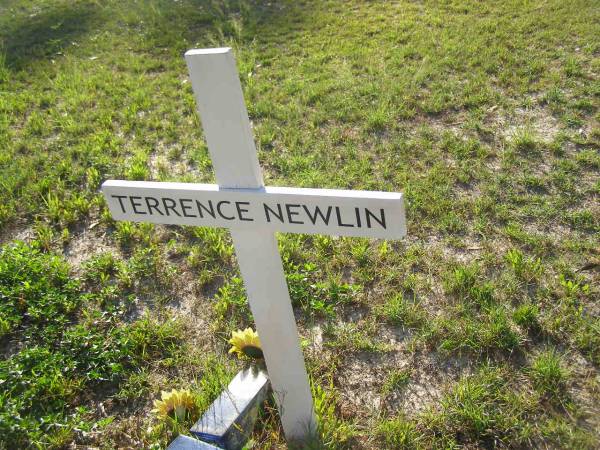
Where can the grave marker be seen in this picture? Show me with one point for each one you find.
(253, 213)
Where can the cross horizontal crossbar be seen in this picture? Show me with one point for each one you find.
(294, 210)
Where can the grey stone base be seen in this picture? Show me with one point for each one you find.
(188, 443)
(229, 421)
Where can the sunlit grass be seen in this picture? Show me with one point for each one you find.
(485, 114)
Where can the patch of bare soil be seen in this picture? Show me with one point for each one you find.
(10, 347)
(194, 309)
(360, 379)
(397, 337)
(163, 164)
(186, 301)
(430, 377)
(585, 389)
(86, 244)
(314, 334)
(452, 123)
(553, 230)
(17, 233)
(471, 248)
(128, 432)
(538, 120)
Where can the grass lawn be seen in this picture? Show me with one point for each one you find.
(480, 330)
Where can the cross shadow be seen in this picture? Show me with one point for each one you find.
(44, 33)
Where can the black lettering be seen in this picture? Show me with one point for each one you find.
(210, 211)
(221, 212)
(318, 212)
(185, 207)
(152, 206)
(380, 222)
(268, 209)
(134, 205)
(339, 218)
(291, 213)
(241, 210)
(120, 197)
(170, 204)
(357, 211)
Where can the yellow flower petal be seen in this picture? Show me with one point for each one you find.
(245, 342)
(175, 404)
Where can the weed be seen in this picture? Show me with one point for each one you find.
(149, 263)
(527, 269)
(125, 232)
(61, 359)
(572, 67)
(482, 333)
(395, 380)
(148, 339)
(360, 252)
(401, 311)
(526, 315)
(93, 178)
(378, 119)
(100, 268)
(44, 235)
(564, 434)
(573, 288)
(462, 280)
(350, 337)
(136, 386)
(138, 170)
(334, 432)
(215, 248)
(548, 374)
(231, 302)
(464, 283)
(36, 290)
(485, 408)
(524, 140)
(398, 433)
(555, 97)
(317, 297)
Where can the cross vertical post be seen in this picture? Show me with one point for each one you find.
(224, 117)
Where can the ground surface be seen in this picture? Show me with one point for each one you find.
(480, 330)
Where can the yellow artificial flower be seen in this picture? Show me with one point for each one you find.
(175, 404)
(246, 343)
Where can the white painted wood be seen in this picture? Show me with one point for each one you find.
(253, 213)
(225, 122)
(224, 117)
(294, 210)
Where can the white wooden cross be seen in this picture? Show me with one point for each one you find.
(253, 213)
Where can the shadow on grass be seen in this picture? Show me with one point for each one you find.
(43, 32)
(202, 23)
